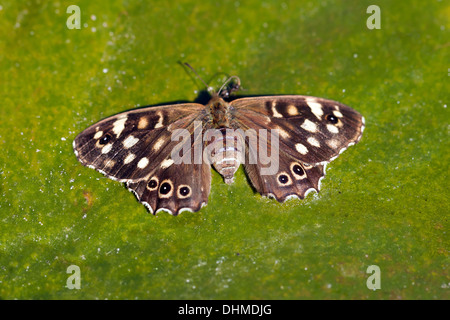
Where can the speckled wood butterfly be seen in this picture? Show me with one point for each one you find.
(159, 152)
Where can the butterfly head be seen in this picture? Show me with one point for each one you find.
(232, 84)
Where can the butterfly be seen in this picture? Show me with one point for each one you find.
(164, 154)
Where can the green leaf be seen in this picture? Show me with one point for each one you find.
(384, 202)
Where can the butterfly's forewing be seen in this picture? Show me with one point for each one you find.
(135, 147)
(312, 130)
(130, 145)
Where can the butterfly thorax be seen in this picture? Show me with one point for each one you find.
(219, 111)
(226, 147)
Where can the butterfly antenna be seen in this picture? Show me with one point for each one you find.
(195, 72)
(228, 81)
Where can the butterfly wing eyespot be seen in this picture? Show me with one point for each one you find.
(297, 170)
(165, 188)
(152, 184)
(283, 179)
(105, 139)
(184, 191)
(331, 118)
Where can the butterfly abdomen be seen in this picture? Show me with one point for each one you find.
(225, 152)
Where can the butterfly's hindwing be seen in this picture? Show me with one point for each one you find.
(174, 189)
(283, 177)
(293, 180)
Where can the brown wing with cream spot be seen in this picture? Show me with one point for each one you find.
(177, 188)
(312, 130)
(133, 144)
(293, 179)
(275, 173)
